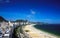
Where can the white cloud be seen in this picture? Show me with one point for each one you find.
(31, 15)
(33, 12)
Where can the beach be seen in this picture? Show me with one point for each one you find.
(35, 33)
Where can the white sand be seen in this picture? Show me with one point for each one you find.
(35, 33)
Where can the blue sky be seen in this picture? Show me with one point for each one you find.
(47, 11)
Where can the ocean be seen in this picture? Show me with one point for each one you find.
(50, 28)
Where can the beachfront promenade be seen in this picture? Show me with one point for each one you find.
(35, 33)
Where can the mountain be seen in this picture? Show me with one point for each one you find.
(2, 19)
(21, 20)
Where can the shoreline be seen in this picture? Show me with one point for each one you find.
(39, 32)
(51, 33)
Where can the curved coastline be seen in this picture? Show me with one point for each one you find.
(48, 29)
(38, 33)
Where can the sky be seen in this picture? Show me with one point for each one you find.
(47, 11)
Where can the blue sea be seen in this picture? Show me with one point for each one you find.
(50, 28)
